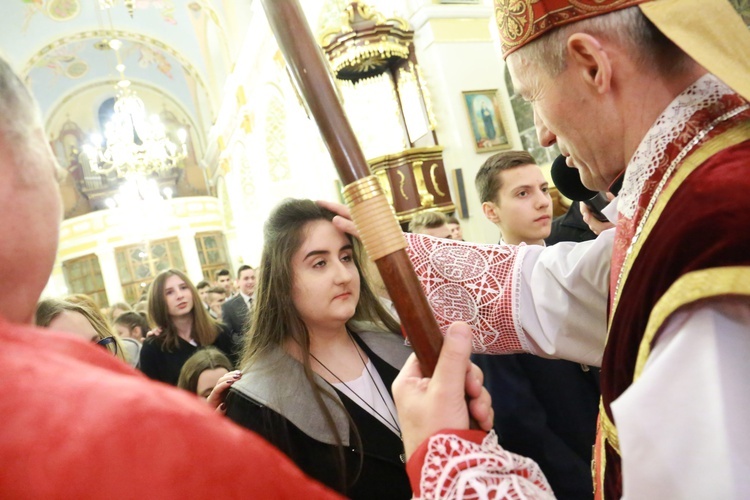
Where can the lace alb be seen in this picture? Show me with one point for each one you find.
(705, 92)
(458, 468)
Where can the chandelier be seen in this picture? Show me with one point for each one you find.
(133, 143)
(137, 189)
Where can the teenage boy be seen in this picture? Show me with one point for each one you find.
(545, 409)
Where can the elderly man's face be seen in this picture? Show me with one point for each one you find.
(570, 113)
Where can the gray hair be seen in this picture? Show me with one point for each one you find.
(21, 128)
(626, 27)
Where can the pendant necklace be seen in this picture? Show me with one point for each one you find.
(393, 422)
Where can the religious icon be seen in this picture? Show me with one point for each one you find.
(486, 120)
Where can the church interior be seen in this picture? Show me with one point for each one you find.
(177, 125)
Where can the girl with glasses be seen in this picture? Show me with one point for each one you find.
(81, 320)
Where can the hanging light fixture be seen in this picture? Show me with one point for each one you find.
(133, 143)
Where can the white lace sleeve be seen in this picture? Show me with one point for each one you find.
(548, 301)
(474, 283)
(458, 468)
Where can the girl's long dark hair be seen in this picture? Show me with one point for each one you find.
(275, 319)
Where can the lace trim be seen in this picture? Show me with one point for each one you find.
(459, 468)
(478, 284)
(651, 153)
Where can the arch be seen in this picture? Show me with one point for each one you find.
(109, 83)
(187, 66)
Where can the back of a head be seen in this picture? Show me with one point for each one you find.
(568, 181)
(208, 358)
(488, 180)
(31, 198)
(20, 122)
(427, 220)
(132, 319)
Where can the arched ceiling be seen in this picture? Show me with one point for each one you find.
(179, 48)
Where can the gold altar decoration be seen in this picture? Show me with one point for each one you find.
(365, 43)
(414, 180)
(371, 56)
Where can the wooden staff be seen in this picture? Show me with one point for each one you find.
(371, 212)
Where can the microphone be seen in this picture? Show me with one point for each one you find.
(568, 182)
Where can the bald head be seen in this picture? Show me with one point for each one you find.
(30, 208)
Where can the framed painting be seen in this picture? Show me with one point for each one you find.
(486, 120)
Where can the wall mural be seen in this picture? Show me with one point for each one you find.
(65, 61)
(149, 56)
(65, 10)
(57, 10)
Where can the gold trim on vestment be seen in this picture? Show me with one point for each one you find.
(609, 431)
(690, 288)
(725, 140)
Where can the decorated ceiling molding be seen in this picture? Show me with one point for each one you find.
(181, 47)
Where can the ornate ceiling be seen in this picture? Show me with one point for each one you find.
(176, 51)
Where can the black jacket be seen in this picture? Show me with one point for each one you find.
(372, 446)
(163, 365)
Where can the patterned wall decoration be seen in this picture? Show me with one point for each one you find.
(57, 10)
(276, 143)
(226, 204)
(65, 61)
(244, 169)
(65, 10)
(150, 56)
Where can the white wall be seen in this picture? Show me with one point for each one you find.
(456, 53)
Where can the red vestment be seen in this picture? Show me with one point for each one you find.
(695, 230)
(78, 423)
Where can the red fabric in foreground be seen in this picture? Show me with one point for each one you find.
(77, 423)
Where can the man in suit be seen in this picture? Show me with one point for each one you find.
(236, 311)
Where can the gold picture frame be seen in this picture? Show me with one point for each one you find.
(487, 125)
